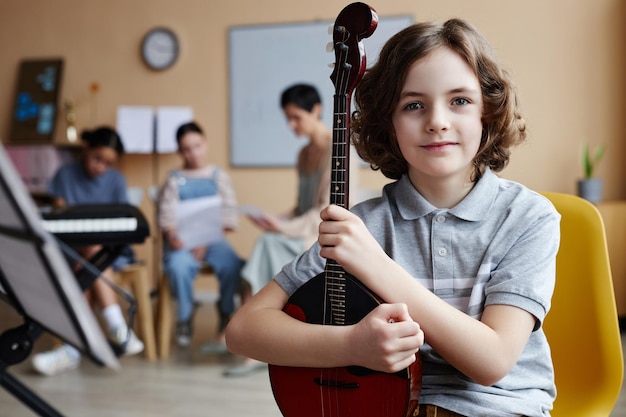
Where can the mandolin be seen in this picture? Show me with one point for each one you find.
(334, 297)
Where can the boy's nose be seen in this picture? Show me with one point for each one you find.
(438, 120)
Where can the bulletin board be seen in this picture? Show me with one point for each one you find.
(263, 61)
(35, 107)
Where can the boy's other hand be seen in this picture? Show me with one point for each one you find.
(386, 340)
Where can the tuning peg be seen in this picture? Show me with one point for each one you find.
(330, 47)
(331, 65)
(332, 29)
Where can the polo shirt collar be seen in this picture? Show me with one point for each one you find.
(474, 207)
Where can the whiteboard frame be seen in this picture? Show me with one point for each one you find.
(266, 59)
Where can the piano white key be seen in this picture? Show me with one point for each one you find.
(122, 224)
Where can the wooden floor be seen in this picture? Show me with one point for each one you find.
(188, 384)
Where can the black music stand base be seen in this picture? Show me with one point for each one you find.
(15, 346)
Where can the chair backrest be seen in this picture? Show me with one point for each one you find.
(582, 325)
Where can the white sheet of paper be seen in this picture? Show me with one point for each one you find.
(135, 124)
(199, 221)
(169, 118)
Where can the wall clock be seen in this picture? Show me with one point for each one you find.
(160, 48)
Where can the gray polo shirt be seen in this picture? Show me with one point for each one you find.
(497, 246)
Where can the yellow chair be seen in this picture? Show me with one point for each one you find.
(582, 325)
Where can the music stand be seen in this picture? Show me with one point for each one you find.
(36, 280)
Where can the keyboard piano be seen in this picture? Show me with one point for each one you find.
(111, 225)
(102, 224)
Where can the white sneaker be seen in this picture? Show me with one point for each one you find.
(127, 339)
(55, 361)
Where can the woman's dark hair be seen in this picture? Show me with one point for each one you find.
(304, 96)
(103, 137)
(187, 128)
(378, 94)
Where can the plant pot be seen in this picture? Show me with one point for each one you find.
(590, 189)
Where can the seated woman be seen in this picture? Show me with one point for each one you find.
(92, 180)
(181, 263)
(287, 236)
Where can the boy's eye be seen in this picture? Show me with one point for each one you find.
(413, 106)
(460, 101)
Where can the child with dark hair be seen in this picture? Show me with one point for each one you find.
(93, 180)
(464, 259)
(181, 263)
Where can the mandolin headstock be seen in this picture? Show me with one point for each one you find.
(355, 22)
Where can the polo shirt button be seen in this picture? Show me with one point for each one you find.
(442, 251)
(441, 219)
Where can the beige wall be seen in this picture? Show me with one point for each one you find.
(568, 57)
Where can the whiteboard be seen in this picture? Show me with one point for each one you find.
(264, 60)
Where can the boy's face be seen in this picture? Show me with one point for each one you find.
(438, 118)
(193, 147)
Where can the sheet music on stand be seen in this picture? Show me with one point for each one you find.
(36, 280)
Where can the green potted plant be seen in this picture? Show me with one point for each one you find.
(589, 187)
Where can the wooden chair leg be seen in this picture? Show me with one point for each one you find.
(137, 276)
(164, 318)
(165, 310)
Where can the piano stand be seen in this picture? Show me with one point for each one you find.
(92, 269)
(15, 346)
(101, 260)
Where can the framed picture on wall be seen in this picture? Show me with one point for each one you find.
(35, 107)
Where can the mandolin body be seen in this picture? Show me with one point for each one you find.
(341, 392)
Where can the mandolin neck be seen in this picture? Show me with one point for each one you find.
(340, 167)
(339, 195)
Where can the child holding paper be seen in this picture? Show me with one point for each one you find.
(181, 262)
